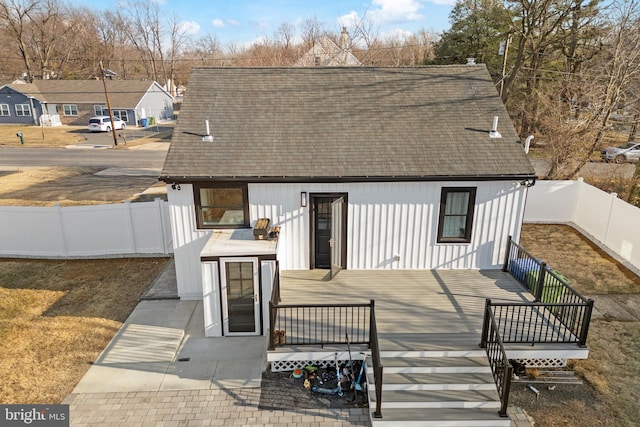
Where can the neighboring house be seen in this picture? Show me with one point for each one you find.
(361, 168)
(73, 102)
(326, 53)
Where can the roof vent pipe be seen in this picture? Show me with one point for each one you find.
(494, 129)
(527, 143)
(471, 61)
(208, 137)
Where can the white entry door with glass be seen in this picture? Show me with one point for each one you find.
(240, 291)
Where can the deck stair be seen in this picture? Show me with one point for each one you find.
(435, 381)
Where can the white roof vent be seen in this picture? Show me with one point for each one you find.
(493, 133)
(471, 61)
(208, 137)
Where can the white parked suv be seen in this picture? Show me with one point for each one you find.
(103, 124)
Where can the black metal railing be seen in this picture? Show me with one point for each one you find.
(274, 301)
(320, 324)
(328, 324)
(374, 346)
(500, 367)
(557, 307)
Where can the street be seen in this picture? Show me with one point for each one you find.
(137, 157)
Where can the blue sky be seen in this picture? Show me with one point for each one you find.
(244, 21)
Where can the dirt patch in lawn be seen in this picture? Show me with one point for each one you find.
(56, 317)
(611, 391)
(73, 186)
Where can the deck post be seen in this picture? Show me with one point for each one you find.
(485, 324)
(507, 256)
(541, 277)
(506, 389)
(272, 321)
(586, 321)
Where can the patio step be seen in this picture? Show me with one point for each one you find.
(438, 399)
(429, 417)
(435, 387)
(454, 381)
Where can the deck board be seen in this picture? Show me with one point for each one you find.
(408, 301)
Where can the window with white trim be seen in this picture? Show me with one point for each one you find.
(70, 109)
(4, 110)
(455, 221)
(23, 110)
(121, 114)
(101, 110)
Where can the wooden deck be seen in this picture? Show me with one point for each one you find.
(409, 302)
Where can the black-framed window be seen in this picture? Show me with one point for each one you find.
(70, 109)
(222, 205)
(456, 214)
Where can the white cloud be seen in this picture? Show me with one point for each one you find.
(190, 28)
(397, 34)
(444, 2)
(233, 22)
(386, 11)
(348, 20)
(218, 23)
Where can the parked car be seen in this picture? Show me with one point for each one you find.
(629, 152)
(103, 124)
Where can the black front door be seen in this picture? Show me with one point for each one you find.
(322, 227)
(322, 224)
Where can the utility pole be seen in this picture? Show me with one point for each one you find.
(106, 94)
(504, 62)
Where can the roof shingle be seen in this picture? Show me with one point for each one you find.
(348, 123)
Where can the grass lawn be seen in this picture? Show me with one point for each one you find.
(36, 136)
(611, 390)
(56, 317)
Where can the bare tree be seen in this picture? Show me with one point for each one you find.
(14, 15)
(311, 31)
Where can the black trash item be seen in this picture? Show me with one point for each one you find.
(518, 368)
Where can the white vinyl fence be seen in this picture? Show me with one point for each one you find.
(124, 229)
(613, 222)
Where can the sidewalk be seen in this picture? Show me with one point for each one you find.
(160, 370)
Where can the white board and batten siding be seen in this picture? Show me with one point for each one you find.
(389, 226)
(394, 225)
(188, 242)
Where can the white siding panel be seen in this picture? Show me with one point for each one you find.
(394, 225)
(187, 241)
(268, 269)
(211, 300)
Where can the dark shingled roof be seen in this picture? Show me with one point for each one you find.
(364, 123)
(122, 93)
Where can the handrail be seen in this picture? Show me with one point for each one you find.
(375, 358)
(540, 323)
(531, 272)
(319, 324)
(501, 369)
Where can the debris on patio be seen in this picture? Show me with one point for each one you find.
(315, 387)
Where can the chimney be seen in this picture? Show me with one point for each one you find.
(344, 39)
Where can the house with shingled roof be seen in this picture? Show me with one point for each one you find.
(359, 168)
(73, 102)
